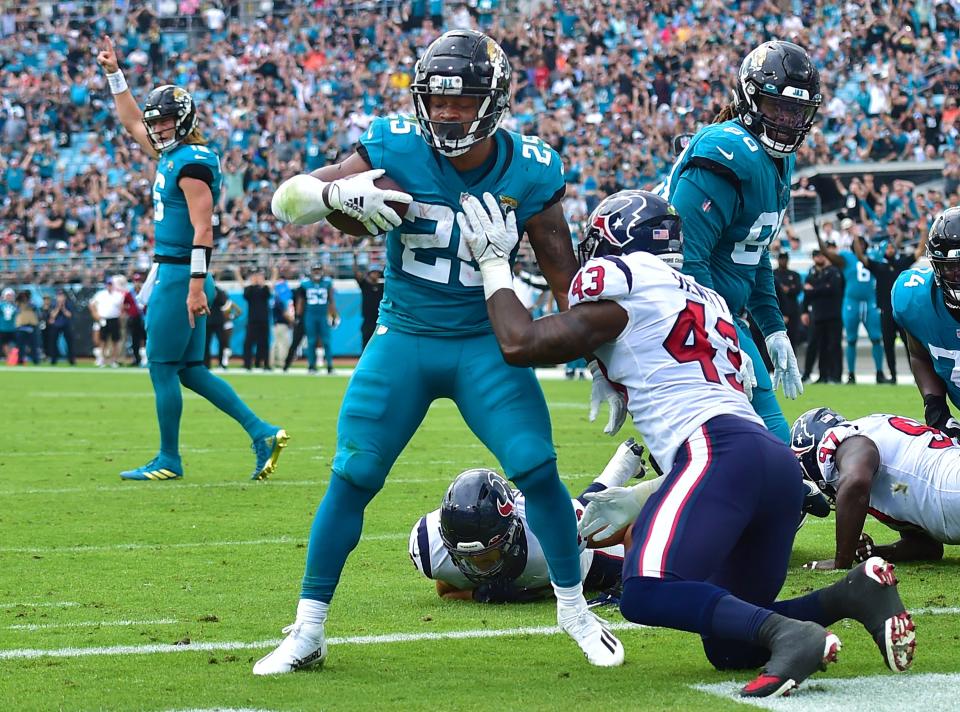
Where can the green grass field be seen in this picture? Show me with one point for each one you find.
(90, 564)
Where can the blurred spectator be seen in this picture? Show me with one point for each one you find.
(257, 338)
(608, 83)
(886, 270)
(135, 326)
(106, 306)
(60, 323)
(28, 329)
(371, 293)
(822, 310)
(215, 329)
(283, 319)
(788, 293)
(46, 307)
(8, 321)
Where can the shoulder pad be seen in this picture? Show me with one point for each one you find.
(726, 149)
(398, 132)
(910, 286)
(602, 278)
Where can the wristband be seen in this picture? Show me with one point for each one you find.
(200, 261)
(496, 275)
(117, 82)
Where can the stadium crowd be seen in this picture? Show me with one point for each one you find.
(608, 84)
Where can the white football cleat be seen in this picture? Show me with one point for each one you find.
(592, 635)
(305, 645)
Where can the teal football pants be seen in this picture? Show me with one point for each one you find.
(764, 398)
(317, 329)
(397, 378)
(865, 311)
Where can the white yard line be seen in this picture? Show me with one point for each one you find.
(390, 638)
(876, 693)
(132, 546)
(89, 624)
(41, 604)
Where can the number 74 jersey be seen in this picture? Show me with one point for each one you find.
(678, 359)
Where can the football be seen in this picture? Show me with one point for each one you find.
(352, 226)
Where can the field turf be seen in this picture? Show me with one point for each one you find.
(98, 577)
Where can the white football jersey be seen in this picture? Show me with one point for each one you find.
(433, 560)
(918, 482)
(677, 360)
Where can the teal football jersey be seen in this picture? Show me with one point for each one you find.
(732, 198)
(432, 284)
(8, 316)
(171, 218)
(858, 282)
(317, 294)
(918, 307)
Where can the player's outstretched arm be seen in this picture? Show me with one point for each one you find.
(861, 254)
(857, 460)
(568, 335)
(127, 110)
(549, 235)
(347, 187)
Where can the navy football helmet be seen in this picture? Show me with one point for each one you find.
(777, 96)
(481, 529)
(164, 102)
(633, 221)
(805, 436)
(943, 250)
(461, 63)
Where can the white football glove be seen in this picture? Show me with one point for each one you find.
(600, 391)
(359, 198)
(299, 200)
(614, 508)
(487, 233)
(748, 375)
(785, 368)
(491, 238)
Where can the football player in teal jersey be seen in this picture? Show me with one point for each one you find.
(926, 304)
(731, 186)
(319, 314)
(185, 190)
(859, 305)
(433, 338)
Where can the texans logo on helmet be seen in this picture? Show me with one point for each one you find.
(614, 218)
(504, 505)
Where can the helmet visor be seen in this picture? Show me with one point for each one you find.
(482, 564)
(787, 113)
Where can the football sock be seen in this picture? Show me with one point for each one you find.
(569, 595)
(166, 387)
(199, 380)
(805, 608)
(595, 486)
(225, 358)
(98, 355)
(334, 534)
(693, 606)
(553, 521)
(310, 611)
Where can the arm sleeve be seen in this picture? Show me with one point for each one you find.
(762, 304)
(705, 215)
(198, 171)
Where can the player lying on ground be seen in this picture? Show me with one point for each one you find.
(710, 549)
(904, 473)
(478, 546)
